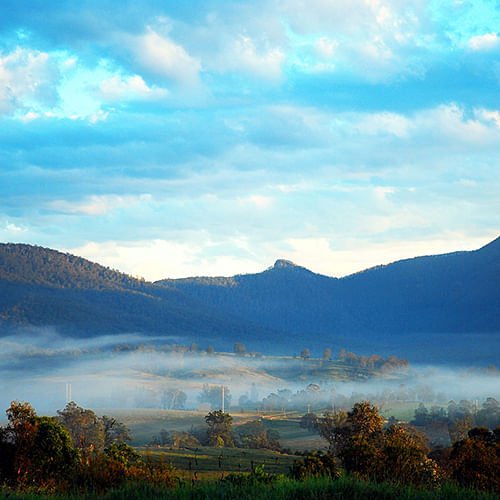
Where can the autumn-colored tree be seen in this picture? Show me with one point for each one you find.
(404, 456)
(359, 451)
(475, 460)
(85, 427)
(35, 451)
(365, 448)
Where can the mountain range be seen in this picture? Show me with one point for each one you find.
(404, 305)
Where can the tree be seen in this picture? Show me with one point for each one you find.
(331, 427)
(274, 402)
(219, 432)
(315, 464)
(421, 415)
(53, 454)
(114, 431)
(17, 441)
(125, 455)
(475, 460)
(213, 394)
(34, 450)
(364, 419)
(173, 399)
(254, 435)
(358, 439)
(309, 421)
(183, 439)
(404, 457)
(85, 427)
(210, 350)
(327, 354)
(239, 349)
(305, 354)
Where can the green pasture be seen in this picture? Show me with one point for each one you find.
(146, 423)
(207, 462)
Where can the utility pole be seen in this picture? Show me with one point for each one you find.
(222, 399)
(68, 393)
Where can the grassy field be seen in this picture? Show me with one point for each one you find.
(215, 463)
(146, 423)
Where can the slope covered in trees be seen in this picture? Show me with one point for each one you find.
(410, 301)
(456, 292)
(43, 287)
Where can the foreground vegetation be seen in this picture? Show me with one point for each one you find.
(254, 488)
(79, 455)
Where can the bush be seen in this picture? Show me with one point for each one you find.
(315, 464)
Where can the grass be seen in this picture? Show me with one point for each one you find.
(148, 422)
(345, 488)
(214, 463)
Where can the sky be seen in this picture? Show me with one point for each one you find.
(170, 139)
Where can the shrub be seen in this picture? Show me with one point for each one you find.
(315, 464)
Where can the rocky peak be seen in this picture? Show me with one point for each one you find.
(281, 263)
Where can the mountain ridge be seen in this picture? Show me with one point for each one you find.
(282, 306)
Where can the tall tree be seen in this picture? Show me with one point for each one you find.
(219, 432)
(85, 427)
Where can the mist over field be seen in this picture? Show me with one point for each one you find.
(130, 371)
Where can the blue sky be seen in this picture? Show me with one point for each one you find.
(168, 139)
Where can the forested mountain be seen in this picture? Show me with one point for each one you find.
(286, 306)
(44, 287)
(456, 292)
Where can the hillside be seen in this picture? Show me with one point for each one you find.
(43, 287)
(456, 292)
(411, 307)
(404, 308)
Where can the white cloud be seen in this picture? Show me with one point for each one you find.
(265, 64)
(449, 126)
(492, 116)
(489, 41)
(242, 54)
(30, 116)
(325, 47)
(98, 116)
(14, 229)
(162, 57)
(385, 122)
(28, 78)
(131, 88)
(321, 255)
(158, 259)
(260, 201)
(373, 38)
(450, 121)
(96, 205)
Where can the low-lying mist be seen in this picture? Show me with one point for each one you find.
(131, 371)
